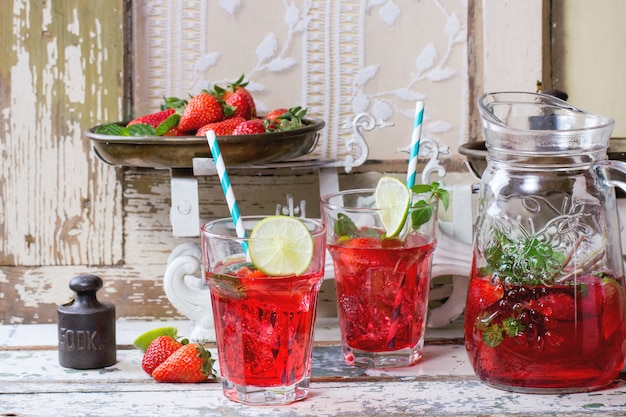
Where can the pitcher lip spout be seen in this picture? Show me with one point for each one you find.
(525, 121)
(495, 106)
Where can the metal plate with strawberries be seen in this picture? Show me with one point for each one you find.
(162, 152)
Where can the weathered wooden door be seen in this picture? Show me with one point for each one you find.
(62, 70)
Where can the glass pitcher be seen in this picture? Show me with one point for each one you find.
(546, 309)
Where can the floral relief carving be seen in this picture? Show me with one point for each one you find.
(325, 56)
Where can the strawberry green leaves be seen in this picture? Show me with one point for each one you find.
(289, 120)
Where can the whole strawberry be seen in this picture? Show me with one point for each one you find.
(158, 351)
(286, 120)
(202, 109)
(241, 104)
(190, 363)
(238, 86)
(611, 296)
(223, 128)
(273, 114)
(271, 125)
(250, 127)
(174, 131)
(153, 119)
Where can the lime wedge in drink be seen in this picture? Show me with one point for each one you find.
(280, 246)
(393, 199)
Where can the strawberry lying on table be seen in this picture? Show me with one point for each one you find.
(168, 358)
(226, 111)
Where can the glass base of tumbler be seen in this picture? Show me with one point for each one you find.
(388, 359)
(253, 395)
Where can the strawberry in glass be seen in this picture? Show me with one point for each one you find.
(264, 323)
(382, 242)
(537, 328)
(382, 286)
(264, 293)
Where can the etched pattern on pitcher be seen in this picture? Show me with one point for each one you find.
(568, 242)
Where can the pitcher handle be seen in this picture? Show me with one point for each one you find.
(613, 172)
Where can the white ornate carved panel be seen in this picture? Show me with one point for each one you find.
(336, 57)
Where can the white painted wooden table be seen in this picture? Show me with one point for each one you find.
(32, 383)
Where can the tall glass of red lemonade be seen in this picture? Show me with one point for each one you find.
(382, 279)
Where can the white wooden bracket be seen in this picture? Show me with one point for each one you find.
(184, 210)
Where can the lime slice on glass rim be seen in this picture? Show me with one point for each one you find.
(393, 199)
(281, 246)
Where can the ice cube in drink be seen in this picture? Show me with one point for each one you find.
(264, 328)
(382, 291)
(564, 337)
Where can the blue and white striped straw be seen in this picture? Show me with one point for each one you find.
(226, 186)
(415, 144)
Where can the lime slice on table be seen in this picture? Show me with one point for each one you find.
(143, 341)
(393, 199)
(280, 246)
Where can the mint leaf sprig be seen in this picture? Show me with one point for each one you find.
(526, 261)
(423, 209)
(421, 214)
(139, 129)
(345, 227)
(142, 129)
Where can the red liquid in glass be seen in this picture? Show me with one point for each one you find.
(264, 325)
(570, 336)
(376, 277)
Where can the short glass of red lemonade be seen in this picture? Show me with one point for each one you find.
(264, 324)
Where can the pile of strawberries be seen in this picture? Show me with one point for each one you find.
(226, 111)
(168, 358)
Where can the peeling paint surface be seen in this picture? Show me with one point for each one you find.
(443, 385)
(47, 169)
(57, 76)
